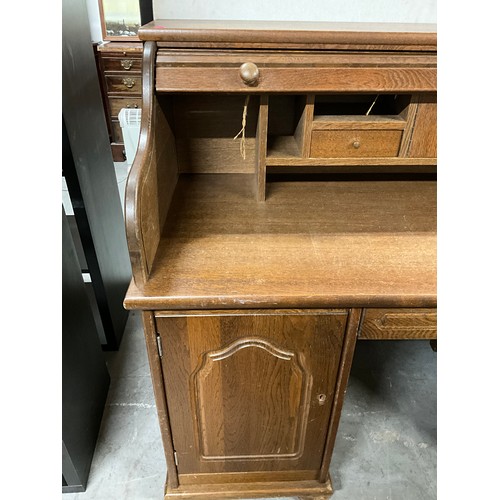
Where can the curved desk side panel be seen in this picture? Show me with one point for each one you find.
(154, 171)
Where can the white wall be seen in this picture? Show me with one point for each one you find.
(397, 11)
(400, 11)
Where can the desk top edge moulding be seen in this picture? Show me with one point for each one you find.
(281, 206)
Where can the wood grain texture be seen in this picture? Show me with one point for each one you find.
(205, 127)
(247, 477)
(213, 115)
(424, 137)
(393, 324)
(211, 155)
(129, 84)
(293, 58)
(341, 388)
(284, 147)
(152, 178)
(148, 322)
(136, 176)
(261, 143)
(356, 122)
(300, 80)
(411, 113)
(296, 46)
(312, 244)
(284, 154)
(298, 71)
(175, 313)
(310, 489)
(244, 388)
(267, 436)
(342, 143)
(413, 36)
(124, 64)
(302, 134)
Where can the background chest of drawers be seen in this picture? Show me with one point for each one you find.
(120, 74)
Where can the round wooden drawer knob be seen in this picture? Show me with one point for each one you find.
(249, 73)
(356, 144)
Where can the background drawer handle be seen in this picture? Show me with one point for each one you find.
(126, 63)
(128, 82)
(249, 73)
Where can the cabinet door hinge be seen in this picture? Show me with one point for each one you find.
(158, 343)
(176, 459)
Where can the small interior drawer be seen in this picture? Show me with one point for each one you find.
(414, 323)
(117, 103)
(127, 84)
(355, 143)
(351, 136)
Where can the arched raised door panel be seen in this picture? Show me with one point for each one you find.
(250, 391)
(270, 401)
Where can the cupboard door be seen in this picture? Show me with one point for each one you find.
(250, 390)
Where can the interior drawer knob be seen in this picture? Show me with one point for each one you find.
(249, 73)
(356, 144)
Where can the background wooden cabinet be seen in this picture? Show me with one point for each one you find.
(120, 73)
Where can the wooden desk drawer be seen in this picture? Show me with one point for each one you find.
(355, 143)
(122, 64)
(204, 71)
(131, 84)
(399, 324)
(117, 103)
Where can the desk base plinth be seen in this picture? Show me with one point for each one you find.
(304, 490)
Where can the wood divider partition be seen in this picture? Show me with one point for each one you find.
(261, 141)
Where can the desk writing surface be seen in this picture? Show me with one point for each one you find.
(310, 244)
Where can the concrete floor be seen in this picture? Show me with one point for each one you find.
(385, 448)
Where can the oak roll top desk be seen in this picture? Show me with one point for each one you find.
(281, 206)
